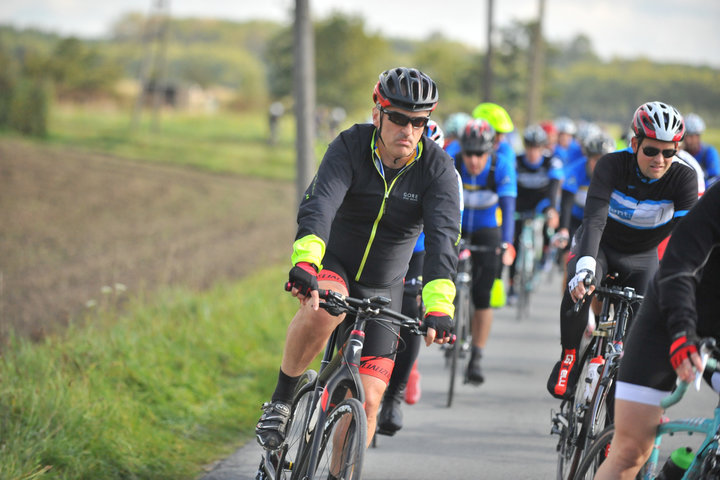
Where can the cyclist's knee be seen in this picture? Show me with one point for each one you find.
(374, 390)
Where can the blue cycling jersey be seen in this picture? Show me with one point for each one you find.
(577, 182)
(568, 154)
(482, 209)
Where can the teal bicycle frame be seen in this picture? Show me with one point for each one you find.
(707, 426)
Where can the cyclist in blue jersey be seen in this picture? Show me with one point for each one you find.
(633, 202)
(567, 146)
(489, 191)
(539, 176)
(499, 119)
(378, 186)
(453, 128)
(706, 155)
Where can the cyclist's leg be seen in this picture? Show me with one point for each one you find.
(635, 427)
(310, 329)
(390, 419)
(485, 270)
(306, 337)
(563, 376)
(512, 290)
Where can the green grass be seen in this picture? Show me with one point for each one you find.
(155, 392)
(223, 142)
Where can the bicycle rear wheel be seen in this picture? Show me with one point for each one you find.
(342, 446)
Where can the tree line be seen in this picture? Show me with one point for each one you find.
(254, 59)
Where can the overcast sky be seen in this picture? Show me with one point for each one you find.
(663, 30)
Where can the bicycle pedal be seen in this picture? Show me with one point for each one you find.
(387, 433)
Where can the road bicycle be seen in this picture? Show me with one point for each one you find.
(527, 260)
(327, 430)
(706, 463)
(589, 410)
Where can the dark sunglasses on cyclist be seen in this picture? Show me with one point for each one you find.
(653, 151)
(400, 119)
(477, 154)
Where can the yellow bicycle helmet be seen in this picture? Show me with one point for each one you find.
(496, 116)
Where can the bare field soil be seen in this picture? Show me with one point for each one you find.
(72, 222)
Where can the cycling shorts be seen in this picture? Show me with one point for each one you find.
(381, 338)
(646, 374)
(485, 265)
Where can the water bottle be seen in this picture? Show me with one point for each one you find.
(594, 371)
(676, 464)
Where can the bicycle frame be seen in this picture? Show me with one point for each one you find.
(338, 377)
(526, 262)
(710, 427)
(586, 414)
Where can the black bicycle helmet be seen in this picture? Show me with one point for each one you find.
(477, 137)
(406, 88)
(659, 121)
(535, 136)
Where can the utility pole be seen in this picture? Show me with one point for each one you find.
(304, 92)
(488, 72)
(154, 38)
(536, 68)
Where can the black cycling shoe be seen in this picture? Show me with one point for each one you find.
(474, 374)
(390, 419)
(270, 429)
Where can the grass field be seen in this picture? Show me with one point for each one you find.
(169, 384)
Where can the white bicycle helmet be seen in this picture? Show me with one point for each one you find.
(435, 133)
(455, 123)
(660, 121)
(565, 125)
(694, 125)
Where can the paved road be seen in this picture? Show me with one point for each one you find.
(499, 430)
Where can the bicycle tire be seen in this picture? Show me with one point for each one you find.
(709, 469)
(299, 414)
(460, 330)
(342, 446)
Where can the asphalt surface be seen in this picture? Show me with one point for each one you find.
(499, 430)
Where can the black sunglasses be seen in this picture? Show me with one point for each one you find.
(477, 154)
(400, 119)
(653, 151)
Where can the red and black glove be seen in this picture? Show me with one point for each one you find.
(681, 348)
(303, 276)
(442, 323)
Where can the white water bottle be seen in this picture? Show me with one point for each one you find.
(594, 371)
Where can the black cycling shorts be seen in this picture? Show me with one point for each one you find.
(485, 265)
(381, 338)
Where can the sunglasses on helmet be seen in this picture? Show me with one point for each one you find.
(400, 119)
(653, 151)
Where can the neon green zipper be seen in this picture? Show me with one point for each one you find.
(380, 214)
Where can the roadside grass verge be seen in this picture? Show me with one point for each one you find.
(155, 392)
(223, 142)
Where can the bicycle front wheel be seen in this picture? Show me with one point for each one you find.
(301, 410)
(596, 453)
(342, 447)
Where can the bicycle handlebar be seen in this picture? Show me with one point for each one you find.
(336, 303)
(628, 294)
(707, 345)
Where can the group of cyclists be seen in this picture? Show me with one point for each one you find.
(391, 200)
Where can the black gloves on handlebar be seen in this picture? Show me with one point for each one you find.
(303, 276)
(442, 323)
